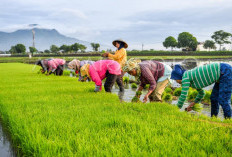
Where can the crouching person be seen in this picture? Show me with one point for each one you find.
(154, 73)
(76, 65)
(99, 70)
(203, 76)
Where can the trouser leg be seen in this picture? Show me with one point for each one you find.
(119, 81)
(110, 80)
(59, 70)
(157, 93)
(214, 100)
(225, 88)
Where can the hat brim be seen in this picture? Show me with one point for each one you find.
(125, 44)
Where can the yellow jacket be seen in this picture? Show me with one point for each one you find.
(120, 56)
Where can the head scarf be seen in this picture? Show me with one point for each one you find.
(85, 70)
(177, 72)
(74, 64)
(121, 44)
(133, 64)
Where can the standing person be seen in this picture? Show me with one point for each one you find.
(99, 70)
(150, 72)
(203, 76)
(76, 65)
(120, 56)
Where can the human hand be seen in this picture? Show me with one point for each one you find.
(189, 108)
(145, 98)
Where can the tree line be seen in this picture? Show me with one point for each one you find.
(188, 42)
(74, 48)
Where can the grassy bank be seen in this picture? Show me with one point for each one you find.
(59, 116)
(94, 58)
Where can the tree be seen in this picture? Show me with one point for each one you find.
(187, 40)
(32, 50)
(95, 46)
(221, 37)
(54, 49)
(82, 47)
(19, 48)
(209, 44)
(46, 51)
(65, 48)
(75, 47)
(13, 50)
(170, 42)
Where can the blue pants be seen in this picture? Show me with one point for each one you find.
(221, 93)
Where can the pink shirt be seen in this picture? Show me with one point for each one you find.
(54, 63)
(97, 70)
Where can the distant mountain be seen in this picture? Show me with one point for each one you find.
(44, 38)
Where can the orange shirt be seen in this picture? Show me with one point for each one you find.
(120, 56)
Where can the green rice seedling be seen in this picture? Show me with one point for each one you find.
(168, 90)
(167, 97)
(177, 91)
(66, 73)
(126, 79)
(138, 93)
(206, 99)
(60, 116)
(197, 107)
(192, 95)
(134, 85)
(146, 86)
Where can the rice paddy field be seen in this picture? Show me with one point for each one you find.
(59, 116)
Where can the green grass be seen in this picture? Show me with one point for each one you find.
(59, 116)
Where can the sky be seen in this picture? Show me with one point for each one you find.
(138, 22)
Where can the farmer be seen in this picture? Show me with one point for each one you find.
(150, 72)
(203, 76)
(99, 70)
(76, 65)
(52, 66)
(120, 56)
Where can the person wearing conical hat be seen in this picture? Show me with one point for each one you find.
(120, 56)
(76, 65)
(100, 70)
(151, 72)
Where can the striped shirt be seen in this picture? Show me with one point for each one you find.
(198, 78)
(151, 71)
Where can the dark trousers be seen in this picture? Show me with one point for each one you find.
(59, 70)
(110, 81)
(119, 81)
(221, 93)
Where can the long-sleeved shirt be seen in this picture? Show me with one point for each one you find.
(97, 70)
(198, 78)
(54, 63)
(120, 56)
(151, 71)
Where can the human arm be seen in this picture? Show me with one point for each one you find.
(118, 54)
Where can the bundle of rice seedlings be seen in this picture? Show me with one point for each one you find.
(167, 97)
(168, 90)
(197, 107)
(177, 91)
(126, 79)
(134, 85)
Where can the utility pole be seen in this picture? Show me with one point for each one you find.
(33, 33)
(142, 46)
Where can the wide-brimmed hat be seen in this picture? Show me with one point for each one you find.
(120, 40)
(85, 70)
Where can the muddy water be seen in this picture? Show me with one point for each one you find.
(5, 147)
